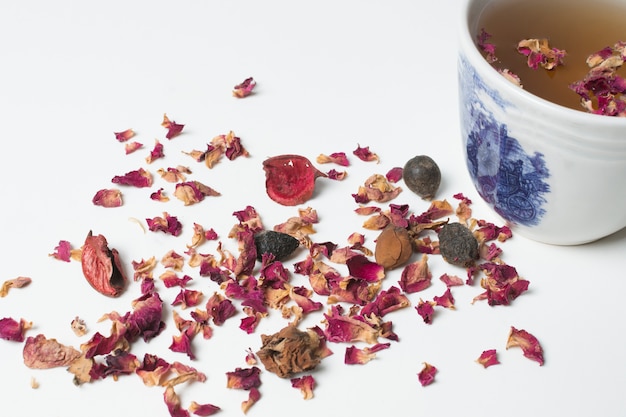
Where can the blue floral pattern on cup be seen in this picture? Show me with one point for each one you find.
(512, 181)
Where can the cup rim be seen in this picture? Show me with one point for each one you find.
(468, 47)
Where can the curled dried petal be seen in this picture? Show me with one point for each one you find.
(527, 342)
(42, 353)
(427, 375)
(488, 358)
(108, 197)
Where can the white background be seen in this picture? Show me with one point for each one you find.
(331, 75)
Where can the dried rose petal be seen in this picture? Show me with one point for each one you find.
(63, 251)
(131, 147)
(527, 342)
(156, 152)
(173, 129)
(193, 192)
(539, 53)
(364, 154)
(166, 224)
(111, 197)
(361, 267)
(416, 276)
(376, 188)
(102, 267)
(18, 282)
(488, 358)
(203, 410)
(244, 378)
(244, 89)
(158, 195)
(78, 326)
(446, 300)
(488, 48)
(356, 356)
(426, 310)
(173, 403)
(42, 353)
(123, 136)
(253, 397)
(138, 178)
(394, 174)
(305, 384)
(290, 179)
(13, 330)
(427, 375)
(338, 158)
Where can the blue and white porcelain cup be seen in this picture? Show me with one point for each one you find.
(554, 174)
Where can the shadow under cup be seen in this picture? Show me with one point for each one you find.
(554, 174)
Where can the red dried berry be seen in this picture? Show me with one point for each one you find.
(102, 267)
(290, 179)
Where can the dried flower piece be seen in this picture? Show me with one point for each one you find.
(364, 154)
(203, 410)
(123, 136)
(458, 245)
(156, 152)
(305, 384)
(279, 245)
(254, 395)
(426, 310)
(173, 129)
(139, 178)
(131, 147)
(18, 282)
(102, 267)
(427, 375)
(488, 358)
(166, 224)
(416, 276)
(193, 192)
(357, 356)
(42, 353)
(78, 326)
(244, 89)
(291, 351)
(376, 188)
(13, 330)
(338, 158)
(158, 195)
(527, 342)
(290, 179)
(489, 49)
(394, 174)
(393, 247)
(111, 197)
(174, 175)
(63, 251)
(421, 175)
(540, 54)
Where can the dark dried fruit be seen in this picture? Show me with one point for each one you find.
(393, 247)
(102, 267)
(290, 179)
(422, 176)
(281, 245)
(458, 245)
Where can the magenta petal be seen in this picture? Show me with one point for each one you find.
(360, 266)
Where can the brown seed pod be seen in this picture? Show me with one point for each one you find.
(393, 247)
(102, 267)
(458, 245)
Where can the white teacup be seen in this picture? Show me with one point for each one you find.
(555, 174)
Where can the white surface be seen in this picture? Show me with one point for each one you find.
(330, 75)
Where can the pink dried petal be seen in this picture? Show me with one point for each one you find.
(173, 403)
(244, 89)
(18, 282)
(426, 310)
(139, 178)
(386, 302)
(244, 378)
(427, 375)
(63, 251)
(111, 197)
(333, 174)
(42, 353)
(220, 309)
(123, 136)
(394, 175)
(193, 192)
(305, 384)
(527, 342)
(182, 344)
(156, 152)
(364, 154)
(131, 147)
(338, 158)
(102, 267)
(446, 300)
(158, 195)
(13, 330)
(143, 269)
(488, 48)
(153, 370)
(356, 356)
(166, 224)
(203, 410)
(254, 395)
(488, 358)
(173, 129)
(187, 298)
(361, 267)
(451, 280)
(416, 276)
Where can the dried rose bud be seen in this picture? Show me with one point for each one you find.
(290, 179)
(458, 245)
(102, 267)
(393, 247)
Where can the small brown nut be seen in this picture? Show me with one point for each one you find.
(393, 247)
